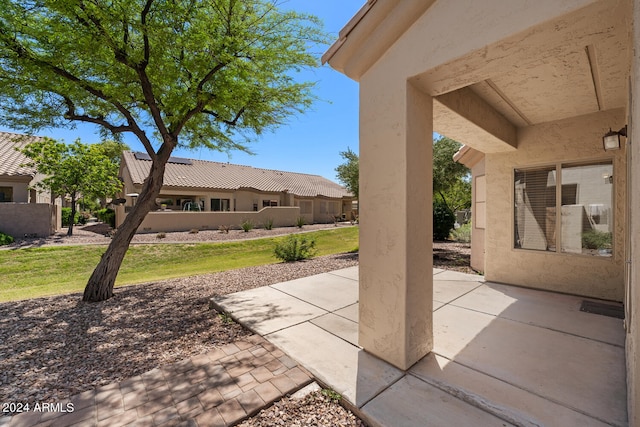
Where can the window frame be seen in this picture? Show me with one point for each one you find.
(558, 167)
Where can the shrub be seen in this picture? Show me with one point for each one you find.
(594, 239)
(106, 215)
(5, 239)
(268, 224)
(463, 233)
(295, 248)
(247, 225)
(443, 220)
(300, 222)
(66, 217)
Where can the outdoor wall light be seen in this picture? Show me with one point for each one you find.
(611, 140)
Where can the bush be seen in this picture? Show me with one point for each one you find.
(594, 239)
(268, 224)
(300, 222)
(295, 248)
(247, 225)
(66, 217)
(463, 233)
(443, 220)
(5, 239)
(106, 215)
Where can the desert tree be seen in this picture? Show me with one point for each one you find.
(72, 170)
(188, 73)
(348, 173)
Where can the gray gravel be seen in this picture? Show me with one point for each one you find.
(315, 410)
(52, 348)
(97, 233)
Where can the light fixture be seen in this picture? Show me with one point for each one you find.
(611, 140)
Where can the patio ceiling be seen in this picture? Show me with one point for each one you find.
(569, 67)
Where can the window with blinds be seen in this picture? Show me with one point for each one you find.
(582, 225)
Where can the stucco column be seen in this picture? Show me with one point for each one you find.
(396, 276)
(632, 301)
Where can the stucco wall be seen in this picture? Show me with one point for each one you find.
(185, 221)
(633, 291)
(570, 140)
(20, 190)
(18, 219)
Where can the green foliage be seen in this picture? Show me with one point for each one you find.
(451, 180)
(295, 248)
(462, 234)
(268, 224)
(194, 69)
(66, 217)
(172, 73)
(247, 225)
(300, 222)
(333, 395)
(443, 220)
(5, 239)
(225, 318)
(89, 204)
(73, 170)
(107, 215)
(594, 239)
(348, 172)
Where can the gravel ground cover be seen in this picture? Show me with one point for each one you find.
(55, 347)
(52, 348)
(97, 233)
(315, 409)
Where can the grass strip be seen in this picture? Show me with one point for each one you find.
(37, 272)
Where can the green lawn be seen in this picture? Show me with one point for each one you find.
(31, 273)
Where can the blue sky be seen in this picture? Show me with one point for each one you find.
(309, 143)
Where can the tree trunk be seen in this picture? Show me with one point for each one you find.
(102, 280)
(73, 215)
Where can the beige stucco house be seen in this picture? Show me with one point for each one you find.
(530, 88)
(205, 195)
(23, 209)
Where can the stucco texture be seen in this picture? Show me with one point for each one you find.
(570, 140)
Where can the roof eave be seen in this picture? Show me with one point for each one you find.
(370, 33)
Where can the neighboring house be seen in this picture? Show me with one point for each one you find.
(530, 88)
(23, 209)
(229, 194)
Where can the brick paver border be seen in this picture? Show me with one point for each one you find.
(218, 388)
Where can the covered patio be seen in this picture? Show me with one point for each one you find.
(503, 355)
(532, 88)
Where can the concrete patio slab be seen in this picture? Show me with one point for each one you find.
(456, 275)
(349, 273)
(446, 291)
(498, 397)
(327, 291)
(563, 368)
(561, 312)
(411, 402)
(338, 326)
(356, 375)
(266, 310)
(501, 354)
(349, 312)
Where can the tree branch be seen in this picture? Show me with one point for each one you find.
(72, 115)
(233, 122)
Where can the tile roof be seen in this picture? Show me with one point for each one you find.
(10, 158)
(192, 173)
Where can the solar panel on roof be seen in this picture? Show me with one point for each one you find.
(176, 160)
